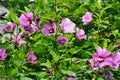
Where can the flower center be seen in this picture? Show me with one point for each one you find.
(51, 30)
(17, 43)
(101, 59)
(29, 21)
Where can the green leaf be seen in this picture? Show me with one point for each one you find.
(13, 72)
(95, 45)
(69, 72)
(37, 36)
(26, 78)
(14, 17)
(41, 75)
(47, 64)
(105, 43)
(100, 78)
(111, 48)
(27, 9)
(54, 55)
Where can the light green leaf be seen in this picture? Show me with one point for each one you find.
(47, 64)
(54, 55)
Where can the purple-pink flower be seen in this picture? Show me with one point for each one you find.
(70, 78)
(73, 76)
(49, 29)
(67, 26)
(31, 57)
(62, 40)
(80, 34)
(116, 60)
(37, 21)
(31, 29)
(101, 58)
(17, 40)
(118, 45)
(94, 64)
(26, 19)
(3, 55)
(87, 18)
(9, 27)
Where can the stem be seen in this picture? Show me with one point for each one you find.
(55, 6)
(68, 44)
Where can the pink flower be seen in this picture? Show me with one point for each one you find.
(3, 55)
(94, 64)
(73, 76)
(31, 57)
(26, 19)
(70, 78)
(80, 34)
(49, 29)
(116, 60)
(87, 18)
(67, 25)
(102, 57)
(118, 45)
(17, 40)
(9, 27)
(62, 40)
(31, 29)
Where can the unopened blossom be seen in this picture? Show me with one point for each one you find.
(80, 34)
(49, 71)
(49, 29)
(102, 57)
(108, 75)
(9, 27)
(3, 54)
(62, 40)
(37, 21)
(87, 18)
(24, 35)
(31, 57)
(26, 19)
(74, 59)
(67, 26)
(17, 40)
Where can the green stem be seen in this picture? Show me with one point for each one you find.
(67, 43)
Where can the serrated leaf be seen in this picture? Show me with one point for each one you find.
(47, 64)
(54, 55)
(27, 9)
(14, 17)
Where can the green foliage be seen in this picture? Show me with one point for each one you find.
(104, 31)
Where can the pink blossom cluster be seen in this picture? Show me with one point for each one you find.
(27, 22)
(103, 58)
(31, 24)
(67, 26)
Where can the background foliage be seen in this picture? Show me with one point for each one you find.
(102, 31)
